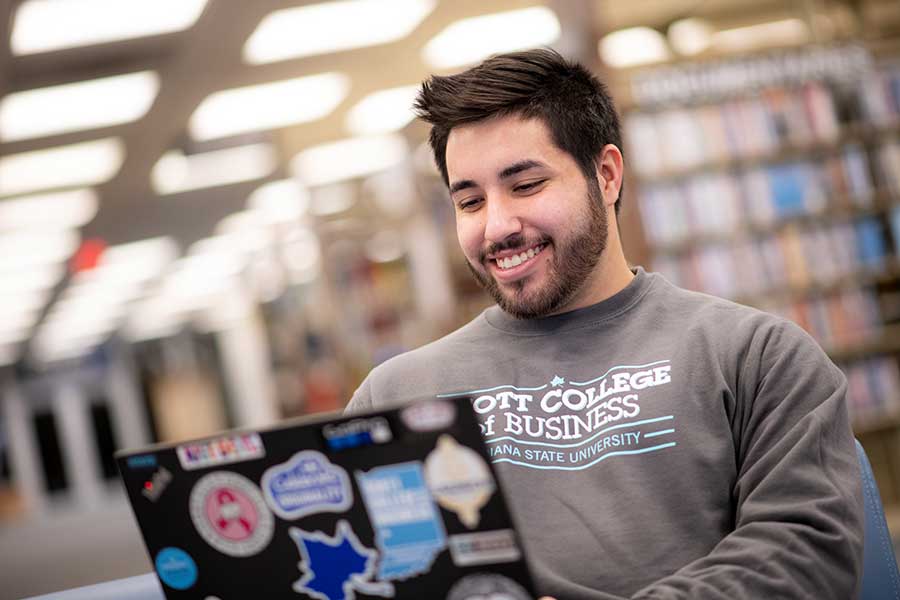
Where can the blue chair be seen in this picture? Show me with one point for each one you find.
(881, 579)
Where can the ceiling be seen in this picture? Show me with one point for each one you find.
(207, 58)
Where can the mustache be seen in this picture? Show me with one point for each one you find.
(513, 242)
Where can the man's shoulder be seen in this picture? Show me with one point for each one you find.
(721, 317)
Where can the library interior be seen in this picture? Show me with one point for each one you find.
(219, 214)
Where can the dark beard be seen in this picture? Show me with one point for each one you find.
(571, 267)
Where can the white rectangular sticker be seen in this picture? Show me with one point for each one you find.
(484, 547)
(220, 451)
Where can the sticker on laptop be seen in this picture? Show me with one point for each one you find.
(336, 567)
(307, 484)
(484, 548)
(459, 479)
(141, 461)
(429, 415)
(229, 512)
(157, 484)
(176, 568)
(220, 451)
(357, 433)
(409, 532)
(487, 585)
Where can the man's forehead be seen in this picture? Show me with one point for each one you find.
(489, 148)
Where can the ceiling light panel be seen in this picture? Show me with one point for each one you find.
(280, 201)
(56, 210)
(77, 106)
(175, 172)
(348, 159)
(633, 47)
(268, 106)
(45, 25)
(472, 39)
(785, 32)
(383, 112)
(23, 251)
(333, 26)
(84, 164)
(30, 280)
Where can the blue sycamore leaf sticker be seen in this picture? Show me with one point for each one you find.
(335, 568)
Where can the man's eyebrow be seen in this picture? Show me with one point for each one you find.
(513, 169)
(463, 184)
(522, 165)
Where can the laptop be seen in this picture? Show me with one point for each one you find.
(399, 503)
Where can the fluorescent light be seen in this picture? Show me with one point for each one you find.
(87, 163)
(690, 36)
(633, 46)
(268, 105)
(144, 259)
(333, 26)
(470, 40)
(280, 201)
(332, 199)
(26, 250)
(26, 302)
(175, 172)
(154, 318)
(125, 268)
(45, 25)
(786, 32)
(77, 106)
(62, 210)
(29, 280)
(348, 159)
(383, 112)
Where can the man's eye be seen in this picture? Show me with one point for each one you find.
(530, 186)
(469, 203)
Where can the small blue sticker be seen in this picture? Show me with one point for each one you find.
(409, 532)
(307, 484)
(335, 568)
(144, 461)
(176, 568)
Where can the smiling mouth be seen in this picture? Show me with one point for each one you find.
(508, 262)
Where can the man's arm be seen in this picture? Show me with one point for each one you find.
(798, 496)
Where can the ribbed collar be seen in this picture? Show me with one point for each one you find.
(604, 310)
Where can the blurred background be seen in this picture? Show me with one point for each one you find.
(216, 213)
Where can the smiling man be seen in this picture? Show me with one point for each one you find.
(652, 442)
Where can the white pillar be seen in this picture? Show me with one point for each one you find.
(77, 443)
(24, 456)
(128, 418)
(246, 362)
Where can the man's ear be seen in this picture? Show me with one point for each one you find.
(610, 169)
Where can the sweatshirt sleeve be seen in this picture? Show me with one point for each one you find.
(362, 398)
(798, 495)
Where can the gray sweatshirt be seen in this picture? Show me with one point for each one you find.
(659, 444)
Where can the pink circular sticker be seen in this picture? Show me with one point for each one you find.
(230, 514)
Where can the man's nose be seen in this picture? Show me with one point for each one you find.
(503, 220)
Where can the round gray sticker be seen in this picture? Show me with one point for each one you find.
(487, 586)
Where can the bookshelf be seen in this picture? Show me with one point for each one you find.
(774, 180)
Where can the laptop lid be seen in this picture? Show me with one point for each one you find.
(399, 503)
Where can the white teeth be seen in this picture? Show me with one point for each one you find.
(518, 259)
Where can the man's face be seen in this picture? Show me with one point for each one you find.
(530, 226)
